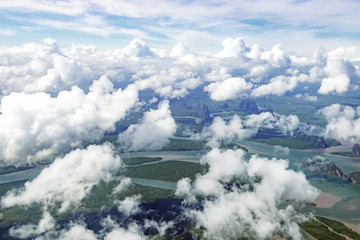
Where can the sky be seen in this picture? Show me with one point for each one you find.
(301, 26)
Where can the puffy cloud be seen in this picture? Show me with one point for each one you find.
(277, 86)
(341, 73)
(129, 205)
(137, 48)
(306, 97)
(228, 89)
(45, 66)
(230, 166)
(152, 133)
(37, 126)
(40, 67)
(252, 210)
(78, 231)
(46, 223)
(233, 48)
(68, 180)
(281, 150)
(123, 234)
(343, 122)
(236, 128)
(221, 130)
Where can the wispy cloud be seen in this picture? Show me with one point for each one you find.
(335, 19)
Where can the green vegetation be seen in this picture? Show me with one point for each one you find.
(185, 145)
(311, 204)
(224, 145)
(345, 154)
(140, 160)
(185, 130)
(319, 231)
(339, 227)
(355, 176)
(289, 142)
(4, 187)
(101, 195)
(170, 171)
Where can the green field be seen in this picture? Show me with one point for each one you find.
(171, 171)
(345, 154)
(339, 227)
(185, 145)
(328, 229)
(140, 160)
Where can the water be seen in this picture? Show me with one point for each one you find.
(347, 209)
(20, 176)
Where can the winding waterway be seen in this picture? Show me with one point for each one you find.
(345, 205)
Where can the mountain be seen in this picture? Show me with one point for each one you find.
(249, 106)
(202, 112)
(356, 149)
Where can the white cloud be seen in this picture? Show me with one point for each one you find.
(129, 205)
(40, 67)
(46, 223)
(37, 126)
(254, 209)
(306, 97)
(277, 86)
(221, 130)
(343, 122)
(68, 180)
(230, 88)
(152, 133)
(341, 74)
(79, 232)
(238, 129)
(123, 234)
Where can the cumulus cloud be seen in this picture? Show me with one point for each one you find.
(306, 97)
(277, 86)
(46, 66)
(37, 126)
(342, 74)
(281, 150)
(46, 223)
(237, 128)
(343, 122)
(78, 231)
(229, 89)
(152, 133)
(68, 180)
(123, 234)
(40, 67)
(129, 205)
(250, 210)
(221, 130)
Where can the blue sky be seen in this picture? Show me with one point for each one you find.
(300, 26)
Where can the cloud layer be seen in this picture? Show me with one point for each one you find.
(247, 198)
(36, 126)
(152, 133)
(235, 71)
(343, 122)
(67, 180)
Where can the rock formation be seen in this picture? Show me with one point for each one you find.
(249, 106)
(356, 149)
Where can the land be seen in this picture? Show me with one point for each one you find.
(191, 118)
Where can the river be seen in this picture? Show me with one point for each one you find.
(346, 206)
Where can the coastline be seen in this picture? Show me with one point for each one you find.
(326, 200)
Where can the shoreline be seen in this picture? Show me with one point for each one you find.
(326, 200)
